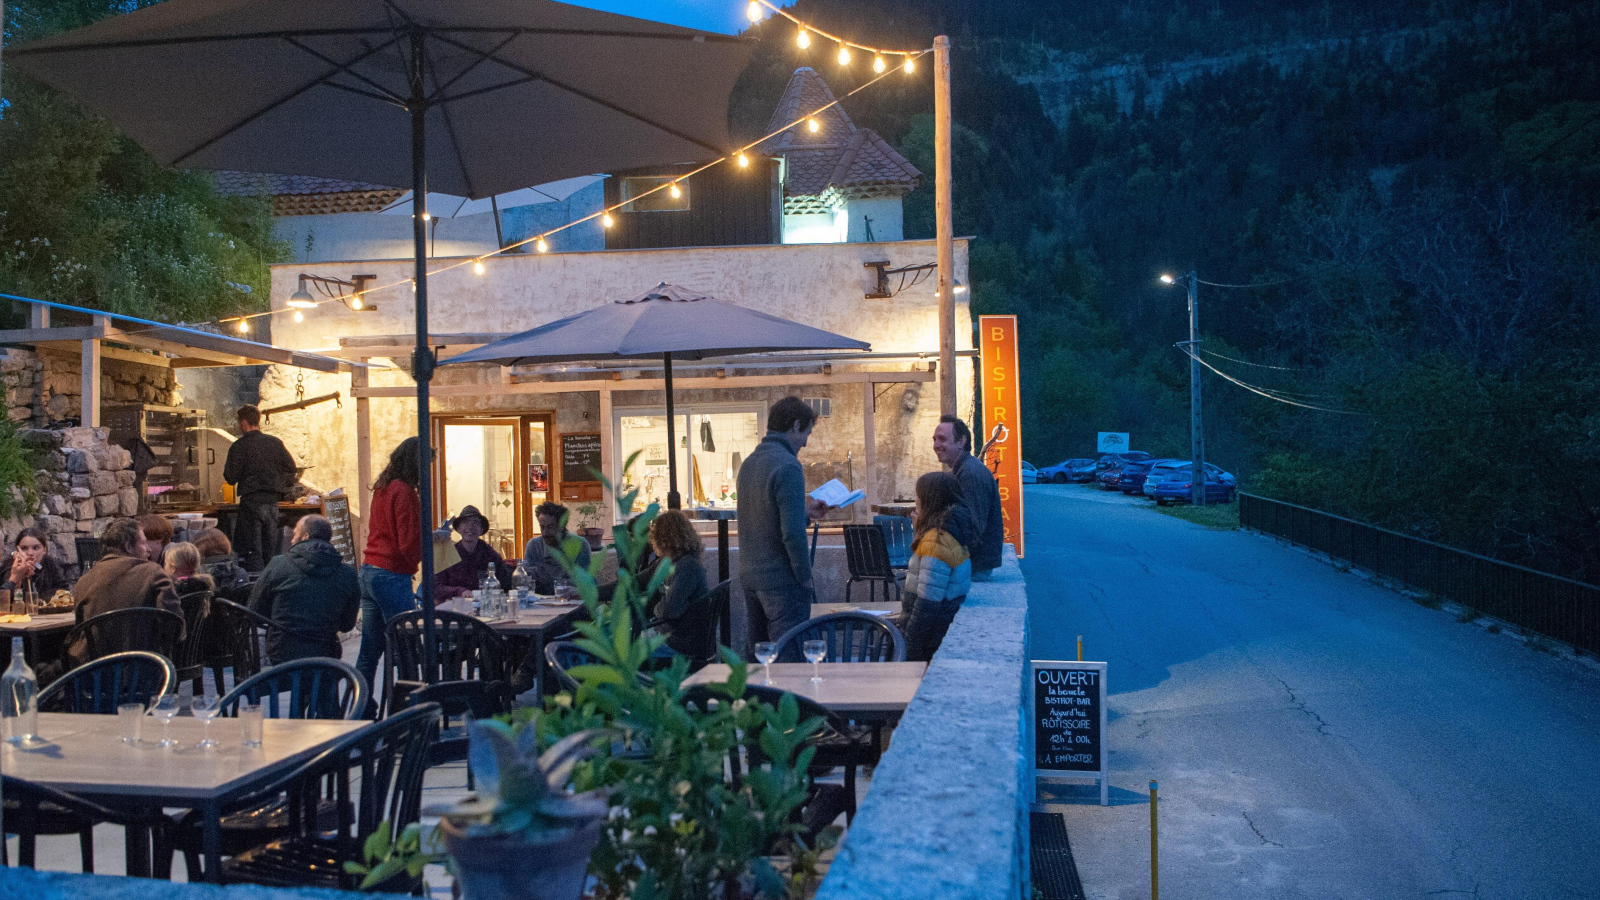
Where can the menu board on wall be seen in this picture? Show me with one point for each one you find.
(1069, 721)
(337, 511)
(580, 457)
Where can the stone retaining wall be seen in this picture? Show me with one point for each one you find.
(84, 482)
(946, 817)
(47, 385)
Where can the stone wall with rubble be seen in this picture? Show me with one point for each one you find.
(84, 482)
(46, 386)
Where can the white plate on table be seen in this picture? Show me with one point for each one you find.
(556, 602)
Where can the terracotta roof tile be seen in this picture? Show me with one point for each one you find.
(304, 195)
(839, 158)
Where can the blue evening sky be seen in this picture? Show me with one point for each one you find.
(727, 16)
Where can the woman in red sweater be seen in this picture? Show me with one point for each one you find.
(394, 552)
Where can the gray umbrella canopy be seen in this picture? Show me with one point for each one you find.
(667, 321)
(517, 92)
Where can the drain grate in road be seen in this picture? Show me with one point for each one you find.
(1055, 875)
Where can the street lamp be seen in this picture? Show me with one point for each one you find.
(1197, 441)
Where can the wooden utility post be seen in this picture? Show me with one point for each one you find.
(944, 227)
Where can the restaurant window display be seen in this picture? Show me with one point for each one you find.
(713, 442)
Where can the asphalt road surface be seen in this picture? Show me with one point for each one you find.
(1314, 735)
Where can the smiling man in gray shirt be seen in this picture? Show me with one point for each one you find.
(774, 562)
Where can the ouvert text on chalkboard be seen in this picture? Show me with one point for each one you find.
(1067, 716)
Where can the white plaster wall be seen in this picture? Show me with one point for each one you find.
(370, 235)
(819, 284)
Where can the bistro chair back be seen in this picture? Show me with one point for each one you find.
(136, 628)
(897, 536)
(720, 599)
(851, 637)
(317, 688)
(192, 651)
(458, 700)
(237, 639)
(867, 555)
(32, 810)
(465, 649)
(88, 551)
(565, 655)
(104, 684)
(375, 774)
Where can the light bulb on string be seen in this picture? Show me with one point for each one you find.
(477, 267)
(911, 64)
(675, 191)
(813, 124)
(844, 55)
(542, 247)
(606, 220)
(299, 316)
(744, 161)
(754, 12)
(803, 39)
(426, 217)
(244, 326)
(355, 302)
(878, 65)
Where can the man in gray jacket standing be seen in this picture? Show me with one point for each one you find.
(774, 562)
(952, 443)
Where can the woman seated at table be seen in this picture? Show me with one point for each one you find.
(33, 573)
(157, 536)
(182, 562)
(940, 571)
(218, 561)
(476, 556)
(683, 613)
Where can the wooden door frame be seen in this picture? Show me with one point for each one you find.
(519, 422)
(526, 528)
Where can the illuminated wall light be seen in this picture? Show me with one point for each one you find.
(675, 191)
(299, 316)
(878, 65)
(744, 161)
(426, 217)
(813, 124)
(542, 246)
(607, 221)
(803, 39)
(754, 12)
(911, 64)
(477, 267)
(355, 302)
(844, 55)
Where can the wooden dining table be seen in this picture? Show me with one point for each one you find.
(35, 635)
(860, 691)
(85, 755)
(538, 623)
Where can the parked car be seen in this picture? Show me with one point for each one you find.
(1130, 478)
(1178, 488)
(1107, 477)
(1117, 459)
(1069, 471)
(1030, 475)
(1169, 467)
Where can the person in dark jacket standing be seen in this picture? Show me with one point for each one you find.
(261, 470)
(774, 561)
(310, 593)
(952, 443)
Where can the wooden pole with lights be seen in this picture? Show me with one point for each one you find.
(944, 227)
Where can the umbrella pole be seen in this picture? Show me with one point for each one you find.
(674, 499)
(422, 356)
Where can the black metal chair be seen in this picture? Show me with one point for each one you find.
(35, 810)
(136, 628)
(376, 775)
(104, 684)
(465, 649)
(191, 651)
(564, 655)
(237, 638)
(457, 700)
(897, 536)
(88, 551)
(317, 689)
(867, 556)
(851, 637)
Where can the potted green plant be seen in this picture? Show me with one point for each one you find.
(523, 836)
(589, 516)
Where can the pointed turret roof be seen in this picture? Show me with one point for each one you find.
(838, 161)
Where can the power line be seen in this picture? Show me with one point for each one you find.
(1246, 362)
(1266, 392)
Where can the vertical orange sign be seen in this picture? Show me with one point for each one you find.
(1002, 406)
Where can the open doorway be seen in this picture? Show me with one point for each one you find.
(500, 464)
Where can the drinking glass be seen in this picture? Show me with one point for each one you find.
(165, 709)
(129, 716)
(251, 716)
(205, 709)
(816, 652)
(766, 652)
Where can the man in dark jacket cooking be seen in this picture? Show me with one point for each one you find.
(310, 593)
(261, 469)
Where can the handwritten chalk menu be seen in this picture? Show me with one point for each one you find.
(337, 511)
(580, 453)
(1069, 721)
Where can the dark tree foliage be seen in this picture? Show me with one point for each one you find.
(1416, 185)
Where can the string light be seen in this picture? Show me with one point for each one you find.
(744, 161)
(543, 247)
(805, 29)
(813, 124)
(477, 267)
(606, 221)
(355, 303)
(844, 55)
(754, 12)
(878, 65)
(244, 326)
(426, 217)
(675, 191)
(803, 39)
(911, 65)
(299, 316)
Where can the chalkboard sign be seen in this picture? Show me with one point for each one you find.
(579, 454)
(1069, 720)
(337, 511)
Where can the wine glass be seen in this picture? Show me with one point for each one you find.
(816, 652)
(766, 652)
(164, 710)
(205, 709)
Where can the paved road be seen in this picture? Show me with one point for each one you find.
(1314, 735)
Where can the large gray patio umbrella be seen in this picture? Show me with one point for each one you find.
(669, 322)
(468, 97)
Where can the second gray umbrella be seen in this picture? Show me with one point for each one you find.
(668, 322)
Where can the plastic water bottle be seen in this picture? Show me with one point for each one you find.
(19, 698)
(522, 583)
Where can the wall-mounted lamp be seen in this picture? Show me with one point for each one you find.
(331, 289)
(910, 276)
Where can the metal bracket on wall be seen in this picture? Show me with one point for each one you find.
(302, 404)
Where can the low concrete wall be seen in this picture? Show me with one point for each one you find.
(947, 815)
(25, 884)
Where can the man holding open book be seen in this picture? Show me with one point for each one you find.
(774, 561)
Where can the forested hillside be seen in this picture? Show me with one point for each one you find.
(1414, 186)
